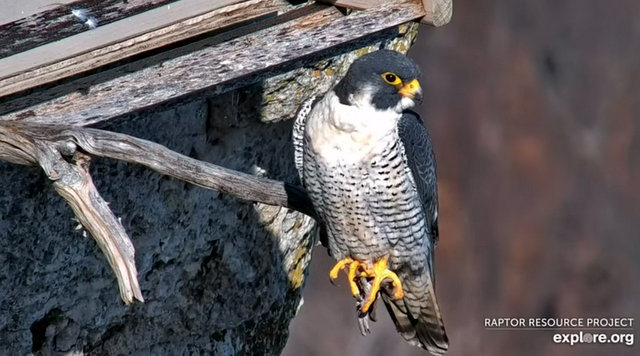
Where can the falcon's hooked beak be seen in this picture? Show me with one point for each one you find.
(411, 90)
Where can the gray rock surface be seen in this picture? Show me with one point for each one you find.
(219, 276)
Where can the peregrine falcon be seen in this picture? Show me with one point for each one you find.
(367, 163)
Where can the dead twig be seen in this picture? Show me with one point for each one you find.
(73, 182)
(64, 153)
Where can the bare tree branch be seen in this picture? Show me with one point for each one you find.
(73, 182)
(52, 146)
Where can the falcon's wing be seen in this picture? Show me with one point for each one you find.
(298, 134)
(417, 317)
(422, 161)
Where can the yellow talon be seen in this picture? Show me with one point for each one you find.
(333, 274)
(379, 273)
(353, 268)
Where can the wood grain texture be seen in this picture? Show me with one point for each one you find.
(439, 12)
(355, 4)
(92, 52)
(57, 23)
(93, 213)
(71, 179)
(239, 61)
(100, 143)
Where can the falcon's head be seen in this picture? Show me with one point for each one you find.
(385, 80)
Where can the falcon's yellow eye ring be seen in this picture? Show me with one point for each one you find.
(391, 78)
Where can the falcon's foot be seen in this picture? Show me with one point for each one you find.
(352, 273)
(379, 273)
(376, 273)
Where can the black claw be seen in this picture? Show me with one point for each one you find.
(363, 324)
(359, 299)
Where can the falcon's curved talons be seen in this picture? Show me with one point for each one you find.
(354, 266)
(376, 274)
(379, 273)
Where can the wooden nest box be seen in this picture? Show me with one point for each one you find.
(88, 61)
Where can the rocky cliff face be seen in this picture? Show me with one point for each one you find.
(217, 273)
(219, 276)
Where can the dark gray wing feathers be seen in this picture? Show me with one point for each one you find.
(417, 317)
(421, 160)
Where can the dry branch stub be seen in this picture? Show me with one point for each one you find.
(69, 171)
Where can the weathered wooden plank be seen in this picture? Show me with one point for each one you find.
(240, 59)
(93, 52)
(107, 35)
(11, 13)
(355, 4)
(57, 23)
(438, 12)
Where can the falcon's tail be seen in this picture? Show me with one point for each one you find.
(419, 321)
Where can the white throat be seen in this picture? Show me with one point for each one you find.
(348, 133)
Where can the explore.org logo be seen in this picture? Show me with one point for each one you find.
(572, 331)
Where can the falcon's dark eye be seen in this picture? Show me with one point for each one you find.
(391, 78)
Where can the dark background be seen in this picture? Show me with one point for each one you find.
(534, 111)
